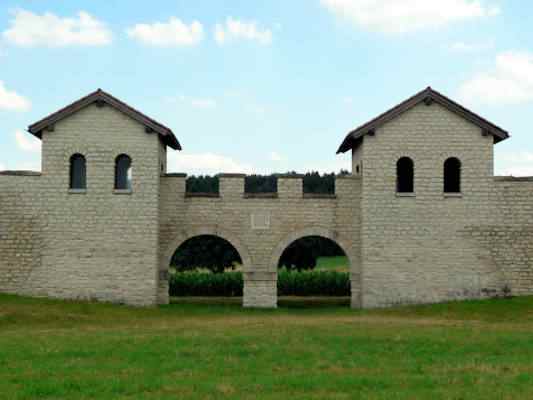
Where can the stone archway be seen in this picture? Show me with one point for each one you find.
(344, 244)
(185, 235)
(311, 231)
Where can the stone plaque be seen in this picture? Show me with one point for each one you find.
(260, 220)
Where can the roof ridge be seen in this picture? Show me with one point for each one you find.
(354, 136)
(99, 94)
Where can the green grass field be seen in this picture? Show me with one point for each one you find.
(339, 263)
(67, 350)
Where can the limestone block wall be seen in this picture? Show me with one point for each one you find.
(416, 248)
(259, 226)
(20, 229)
(507, 235)
(99, 243)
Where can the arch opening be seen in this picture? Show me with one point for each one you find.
(405, 175)
(313, 270)
(205, 266)
(452, 175)
(78, 172)
(123, 172)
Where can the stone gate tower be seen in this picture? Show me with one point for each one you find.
(95, 241)
(416, 240)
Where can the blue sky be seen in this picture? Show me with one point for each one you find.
(265, 86)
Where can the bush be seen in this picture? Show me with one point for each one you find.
(229, 284)
(313, 283)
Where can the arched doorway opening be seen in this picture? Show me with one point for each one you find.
(206, 267)
(313, 270)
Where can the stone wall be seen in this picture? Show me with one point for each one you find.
(260, 226)
(507, 235)
(20, 229)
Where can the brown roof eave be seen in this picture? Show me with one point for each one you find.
(99, 95)
(349, 142)
(352, 139)
(171, 142)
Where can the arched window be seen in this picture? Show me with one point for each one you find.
(123, 173)
(78, 172)
(452, 175)
(405, 174)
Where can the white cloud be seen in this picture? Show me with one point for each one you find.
(235, 29)
(275, 156)
(510, 81)
(514, 163)
(29, 29)
(27, 142)
(205, 163)
(12, 101)
(400, 16)
(463, 47)
(2, 167)
(168, 34)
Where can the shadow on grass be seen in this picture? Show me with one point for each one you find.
(283, 301)
(26, 312)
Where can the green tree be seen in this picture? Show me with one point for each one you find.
(205, 251)
(313, 182)
(302, 254)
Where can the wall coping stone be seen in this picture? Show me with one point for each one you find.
(20, 173)
(513, 178)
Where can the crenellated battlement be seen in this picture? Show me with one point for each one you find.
(288, 186)
(20, 173)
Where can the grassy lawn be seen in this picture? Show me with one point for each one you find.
(339, 263)
(67, 350)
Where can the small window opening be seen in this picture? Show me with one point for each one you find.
(123, 172)
(452, 175)
(78, 172)
(405, 175)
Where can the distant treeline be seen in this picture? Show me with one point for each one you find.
(313, 182)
